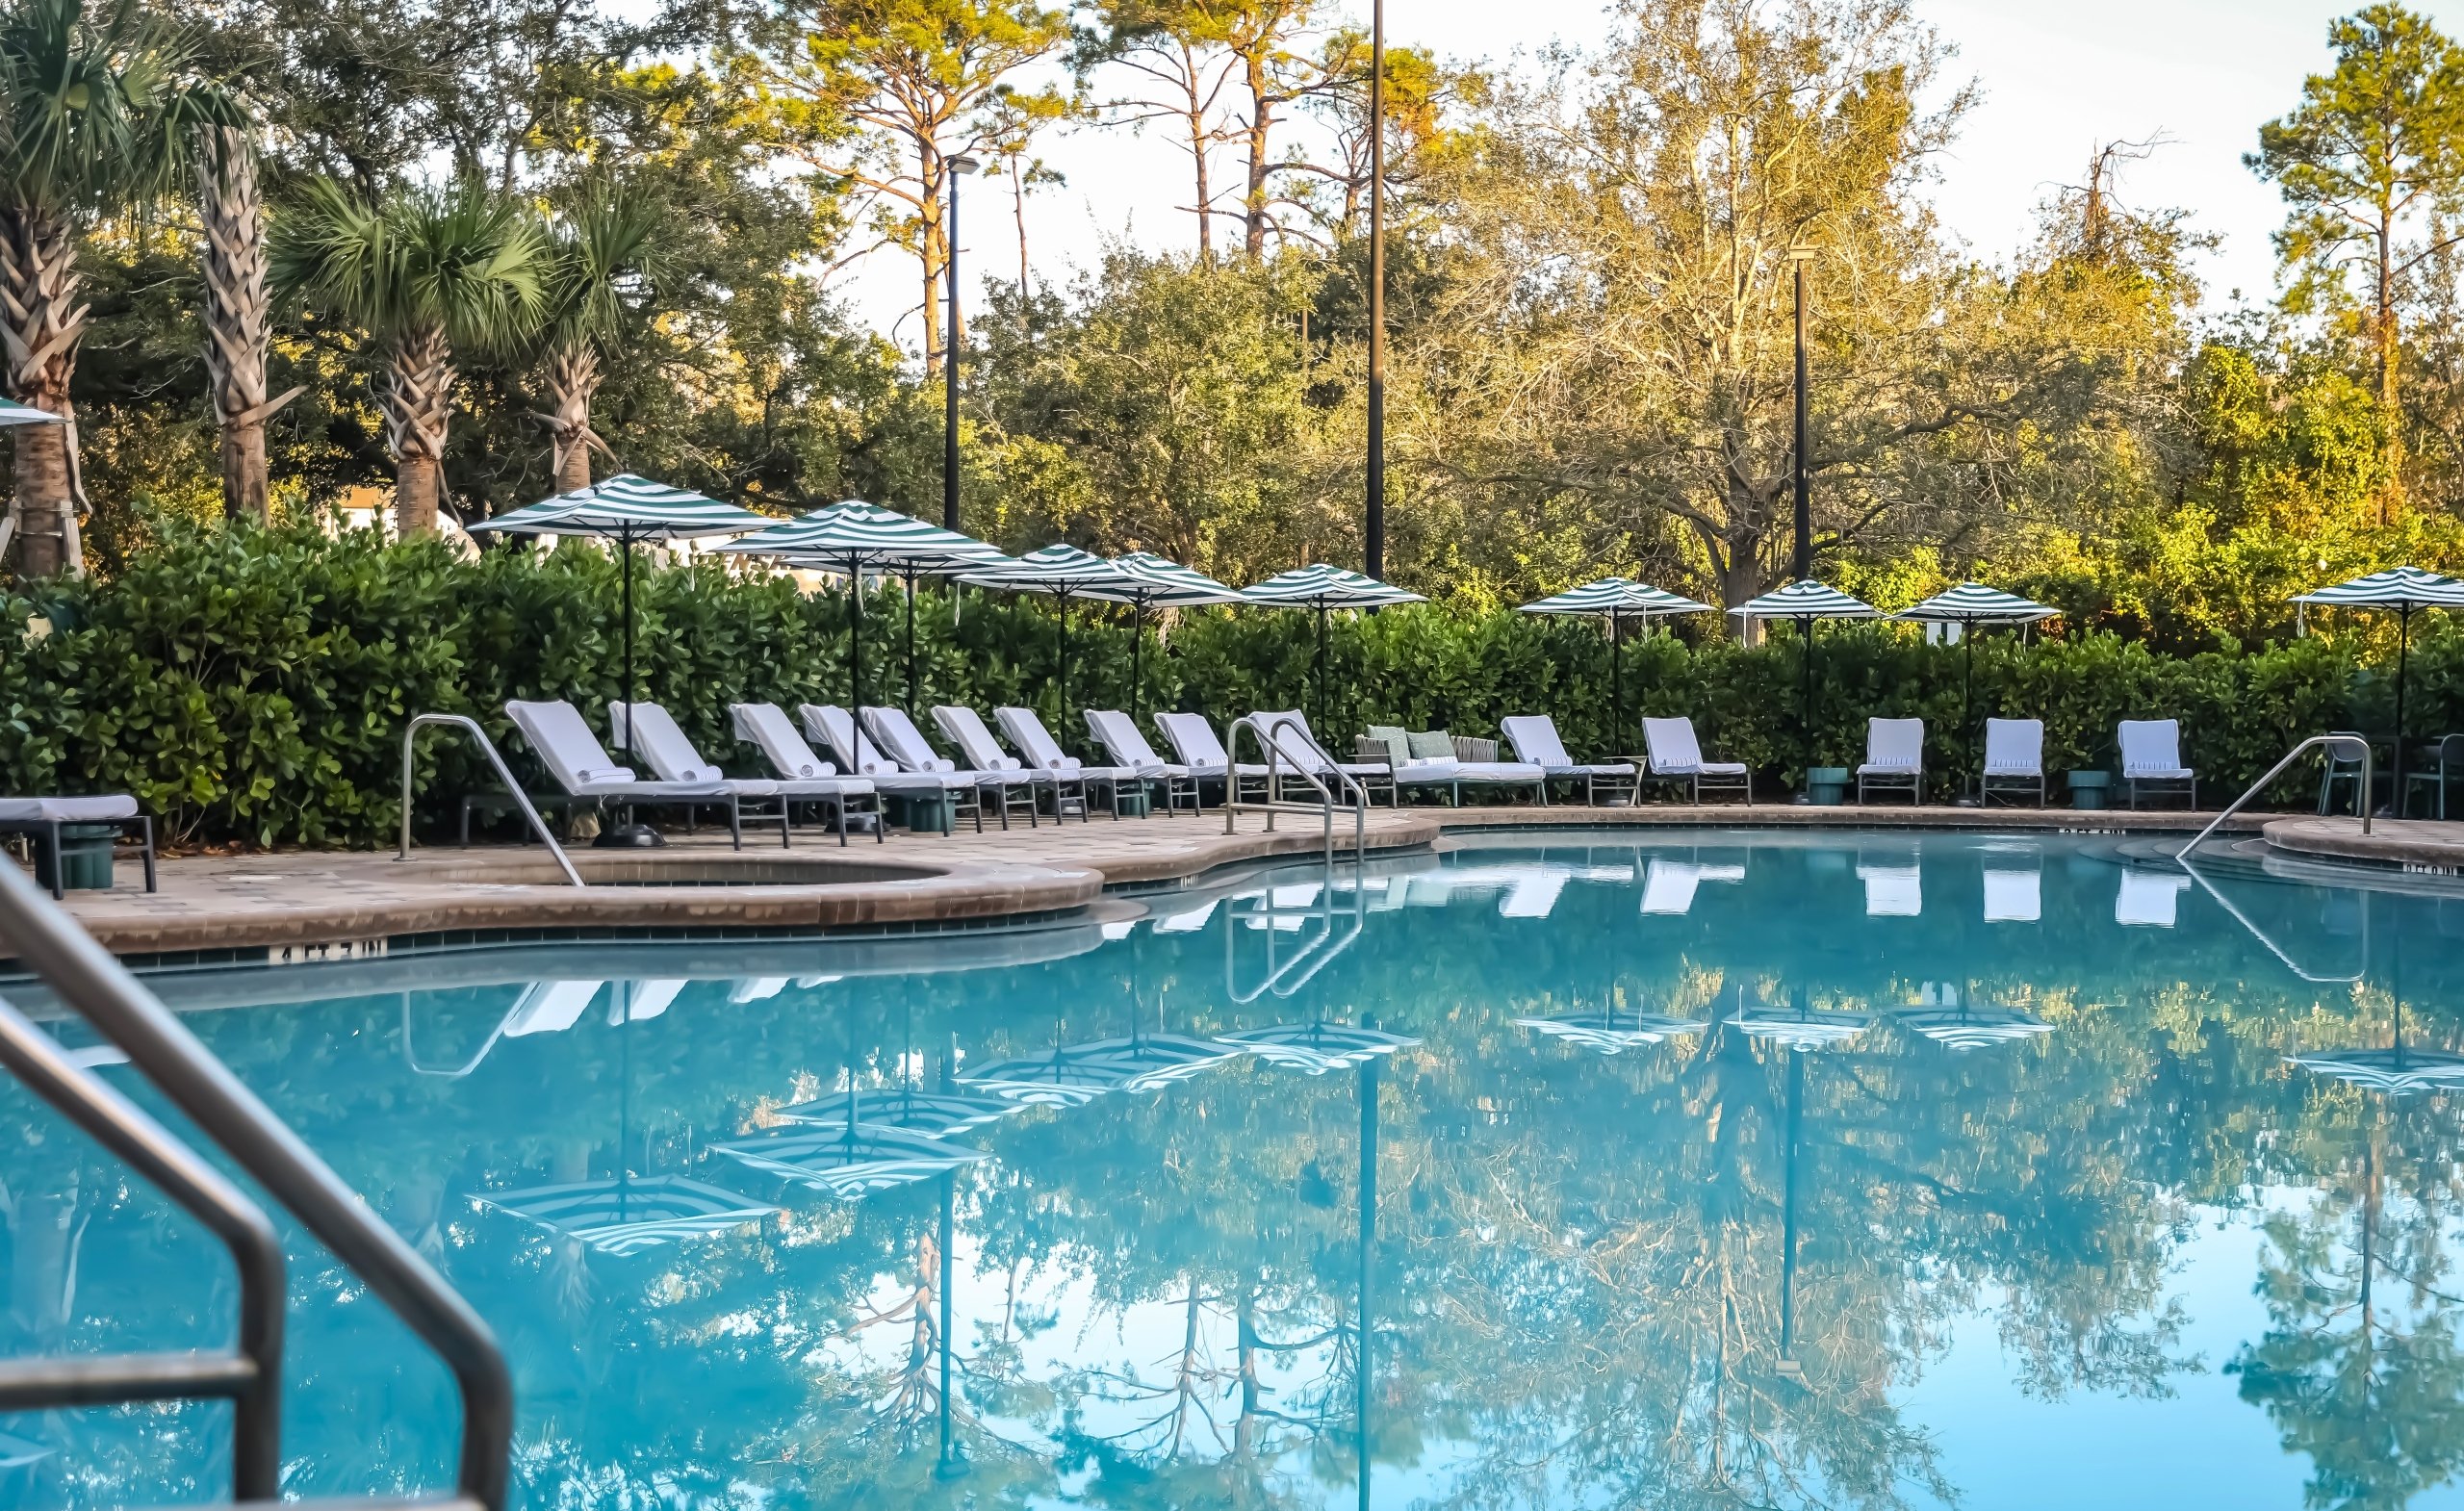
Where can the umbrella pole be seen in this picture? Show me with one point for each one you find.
(1065, 668)
(625, 544)
(856, 642)
(1322, 670)
(910, 644)
(1805, 710)
(1967, 701)
(1616, 680)
(1137, 656)
(2403, 645)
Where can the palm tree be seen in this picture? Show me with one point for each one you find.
(422, 274)
(97, 113)
(236, 330)
(602, 260)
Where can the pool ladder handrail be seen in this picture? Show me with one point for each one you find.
(87, 979)
(1270, 738)
(487, 748)
(2340, 747)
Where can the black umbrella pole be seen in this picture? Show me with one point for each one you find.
(856, 644)
(1137, 660)
(2403, 649)
(911, 646)
(1616, 682)
(625, 544)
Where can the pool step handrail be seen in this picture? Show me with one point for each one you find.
(98, 988)
(2340, 747)
(487, 748)
(1271, 740)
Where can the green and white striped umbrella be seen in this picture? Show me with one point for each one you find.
(1968, 606)
(854, 538)
(1065, 573)
(2397, 588)
(2402, 589)
(1326, 588)
(1975, 603)
(1165, 584)
(1161, 582)
(1963, 1028)
(1323, 587)
(1614, 598)
(1619, 596)
(976, 557)
(1806, 600)
(625, 509)
(13, 413)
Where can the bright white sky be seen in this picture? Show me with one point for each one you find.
(2057, 77)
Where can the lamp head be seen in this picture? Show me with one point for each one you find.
(1802, 254)
(961, 164)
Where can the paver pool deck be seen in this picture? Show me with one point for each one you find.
(312, 903)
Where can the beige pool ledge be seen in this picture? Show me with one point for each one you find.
(320, 902)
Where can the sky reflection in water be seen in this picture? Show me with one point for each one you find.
(1761, 1170)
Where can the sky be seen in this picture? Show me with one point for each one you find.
(2057, 77)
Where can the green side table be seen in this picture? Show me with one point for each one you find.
(1826, 786)
(2092, 790)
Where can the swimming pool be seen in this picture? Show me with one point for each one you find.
(1732, 1169)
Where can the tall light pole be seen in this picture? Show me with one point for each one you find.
(1802, 563)
(953, 168)
(1373, 550)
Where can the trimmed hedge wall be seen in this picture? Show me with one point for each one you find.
(253, 685)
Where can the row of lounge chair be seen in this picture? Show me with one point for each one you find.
(881, 752)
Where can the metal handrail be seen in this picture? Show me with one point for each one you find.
(487, 748)
(249, 1375)
(1271, 739)
(85, 977)
(2341, 747)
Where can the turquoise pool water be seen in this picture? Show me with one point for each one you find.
(1762, 1169)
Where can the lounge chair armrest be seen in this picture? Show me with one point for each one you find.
(1468, 748)
(1374, 752)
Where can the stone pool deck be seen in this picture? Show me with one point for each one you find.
(322, 905)
(2409, 844)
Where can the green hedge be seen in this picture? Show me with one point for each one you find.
(252, 687)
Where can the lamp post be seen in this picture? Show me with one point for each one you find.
(953, 168)
(1373, 533)
(1802, 563)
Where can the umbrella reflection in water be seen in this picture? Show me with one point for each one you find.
(1612, 1032)
(1798, 1026)
(1956, 1021)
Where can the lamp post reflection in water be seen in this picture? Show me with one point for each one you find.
(952, 1463)
(1367, 1262)
(1789, 1366)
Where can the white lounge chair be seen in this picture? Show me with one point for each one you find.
(42, 817)
(1007, 783)
(1009, 779)
(2151, 756)
(1119, 735)
(2013, 757)
(1674, 754)
(549, 1007)
(1195, 741)
(636, 1000)
(856, 752)
(649, 730)
(1534, 738)
(1034, 741)
(1894, 758)
(766, 727)
(1892, 891)
(2149, 899)
(556, 732)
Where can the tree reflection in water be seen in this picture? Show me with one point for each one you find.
(1491, 1266)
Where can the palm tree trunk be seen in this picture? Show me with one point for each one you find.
(418, 401)
(40, 323)
(571, 376)
(237, 328)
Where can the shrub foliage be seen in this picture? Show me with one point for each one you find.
(252, 687)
